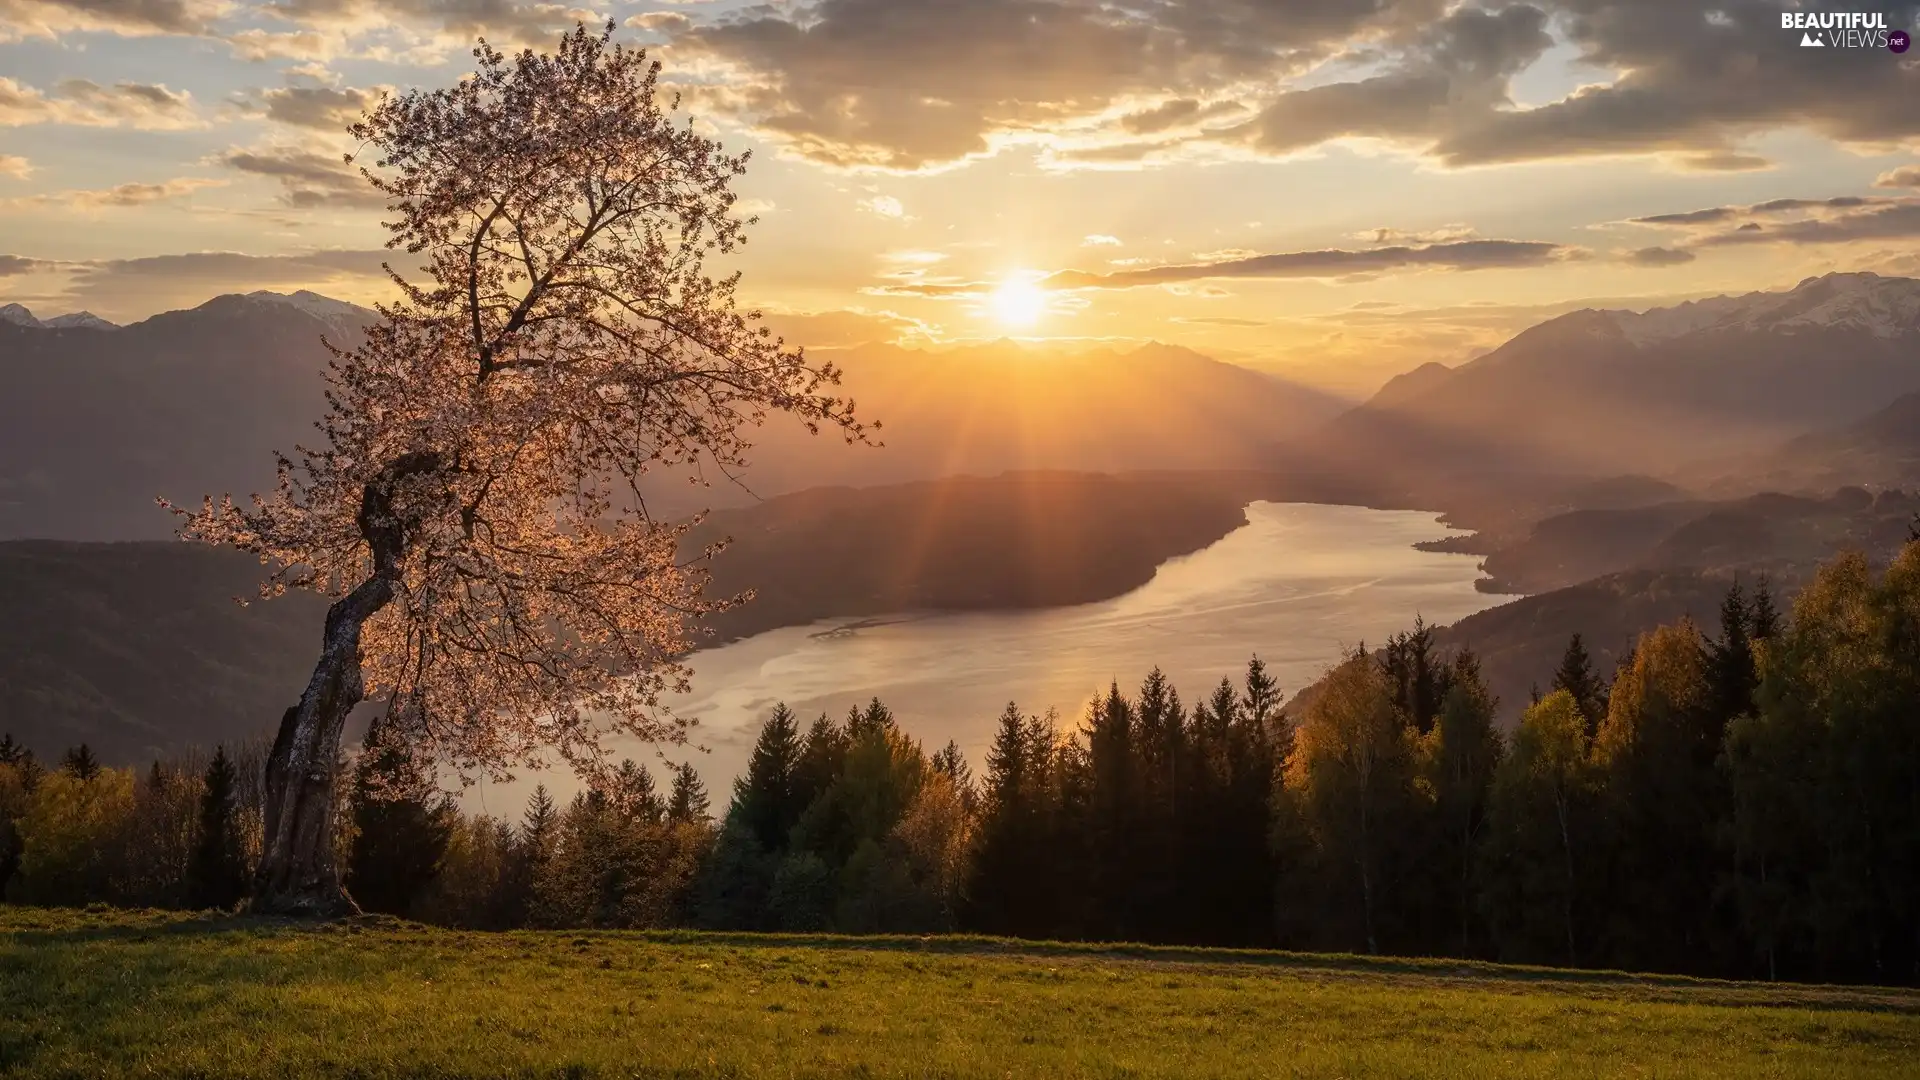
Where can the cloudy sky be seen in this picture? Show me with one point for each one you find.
(1334, 189)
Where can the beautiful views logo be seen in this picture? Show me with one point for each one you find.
(1842, 30)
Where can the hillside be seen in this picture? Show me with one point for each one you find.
(1605, 392)
(1520, 643)
(95, 423)
(138, 647)
(1775, 533)
(1022, 540)
(116, 994)
(1881, 449)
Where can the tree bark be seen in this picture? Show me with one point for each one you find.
(296, 874)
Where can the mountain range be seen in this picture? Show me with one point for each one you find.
(19, 315)
(1601, 392)
(94, 425)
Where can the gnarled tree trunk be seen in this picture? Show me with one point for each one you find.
(296, 874)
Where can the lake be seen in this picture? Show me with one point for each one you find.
(1297, 584)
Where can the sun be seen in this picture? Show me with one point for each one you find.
(1018, 302)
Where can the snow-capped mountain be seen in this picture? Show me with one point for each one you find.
(340, 318)
(1885, 307)
(19, 315)
(1598, 392)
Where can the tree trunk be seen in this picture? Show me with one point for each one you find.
(1566, 901)
(296, 874)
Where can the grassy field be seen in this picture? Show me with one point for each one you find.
(149, 994)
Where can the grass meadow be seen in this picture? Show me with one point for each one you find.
(132, 994)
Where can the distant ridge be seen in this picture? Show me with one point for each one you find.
(1603, 392)
(19, 315)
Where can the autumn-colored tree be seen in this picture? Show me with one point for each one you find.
(73, 838)
(1349, 779)
(474, 507)
(1539, 813)
(1662, 794)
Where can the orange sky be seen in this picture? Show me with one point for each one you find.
(1334, 189)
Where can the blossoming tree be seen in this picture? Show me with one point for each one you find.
(474, 508)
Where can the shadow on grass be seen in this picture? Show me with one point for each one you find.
(35, 929)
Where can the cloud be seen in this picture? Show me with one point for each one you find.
(1176, 114)
(1221, 321)
(912, 86)
(308, 178)
(1440, 235)
(884, 205)
(1842, 219)
(1697, 76)
(443, 22)
(846, 328)
(119, 196)
(1879, 221)
(323, 108)
(908, 86)
(1714, 215)
(1330, 263)
(50, 18)
(1100, 240)
(1660, 256)
(661, 22)
(1722, 161)
(83, 102)
(257, 44)
(133, 288)
(1456, 75)
(15, 265)
(15, 167)
(1906, 176)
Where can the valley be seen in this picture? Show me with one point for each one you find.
(1046, 498)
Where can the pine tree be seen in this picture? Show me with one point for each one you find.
(1731, 675)
(688, 803)
(536, 822)
(1257, 738)
(401, 828)
(1114, 814)
(216, 869)
(1417, 676)
(1262, 700)
(13, 753)
(764, 798)
(531, 863)
(1764, 621)
(1013, 882)
(877, 718)
(632, 794)
(1462, 755)
(822, 757)
(952, 764)
(80, 763)
(1576, 677)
